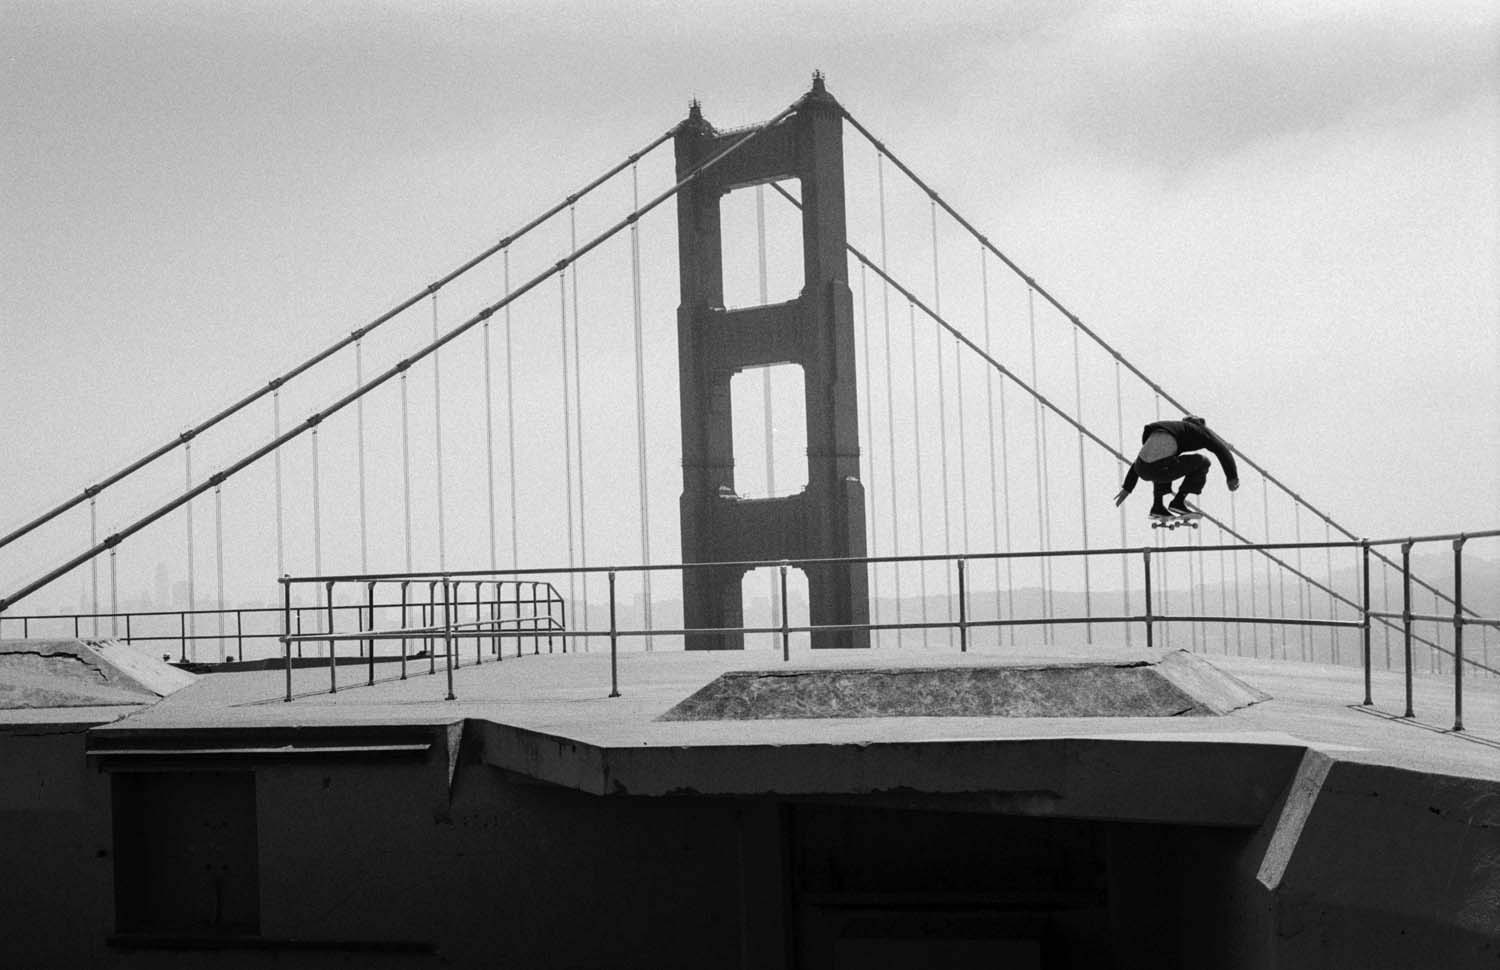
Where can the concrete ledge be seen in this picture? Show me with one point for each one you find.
(1230, 782)
(82, 673)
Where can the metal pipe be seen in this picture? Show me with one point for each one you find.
(370, 626)
(786, 636)
(614, 669)
(1458, 634)
(333, 677)
(404, 584)
(1146, 557)
(286, 629)
(963, 610)
(1365, 626)
(478, 622)
(448, 639)
(1406, 618)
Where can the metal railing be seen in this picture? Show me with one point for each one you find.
(496, 628)
(536, 610)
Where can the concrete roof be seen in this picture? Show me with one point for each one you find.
(551, 717)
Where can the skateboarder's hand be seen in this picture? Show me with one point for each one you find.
(1121, 495)
(1234, 484)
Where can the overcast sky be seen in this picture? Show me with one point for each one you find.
(1284, 213)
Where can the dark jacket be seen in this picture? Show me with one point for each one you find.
(1190, 437)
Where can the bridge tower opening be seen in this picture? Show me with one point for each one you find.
(815, 330)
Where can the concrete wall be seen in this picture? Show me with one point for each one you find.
(378, 863)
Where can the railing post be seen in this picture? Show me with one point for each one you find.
(286, 629)
(127, 632)
(448, 637)
(298, 612)
(614, 672)
(404, 584)
(1406, 618)
(478, 625)
(370, 626)
(1364, 545)
(239, 632)
(1146, 556)
(963, 610)
(495, 642)
(333, 673)
(786, 634)
(431, 613)
(1458, 632)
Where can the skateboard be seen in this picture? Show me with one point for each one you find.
(1190, 520)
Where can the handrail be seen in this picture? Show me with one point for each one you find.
(965, 623)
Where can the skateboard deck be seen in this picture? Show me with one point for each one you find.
(1190, 520)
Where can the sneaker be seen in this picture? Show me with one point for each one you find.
(1179, 507)
(1157, 512)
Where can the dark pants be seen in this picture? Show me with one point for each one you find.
(1191, 468)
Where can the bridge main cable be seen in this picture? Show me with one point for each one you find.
(354, 337)
(1073, 318)
(399, 368)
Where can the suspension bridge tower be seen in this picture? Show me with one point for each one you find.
(815, 331)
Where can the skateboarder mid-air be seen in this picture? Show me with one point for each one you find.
(1164, 458)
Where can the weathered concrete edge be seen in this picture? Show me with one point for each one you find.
(1189, 781)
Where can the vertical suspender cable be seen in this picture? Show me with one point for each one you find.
(1166, 591)
(1254, 606)
(1083, 493)
(640, 399)
(1301, 593)
(406, 471)
(582, 613)
(1010, 577)
(1334, 641)
(1238, 627)
(1385, 599)
(359, 420)
(562, 303)
(1043, 512)
(1195, 576)
(114, 594)
(1124, 556)
(318, 536)
(765, 386)
(1224, 584)
(890, 399)
(489, 443)
(276, 456)
(989, 410)
(510, 425)
(869, 449)
(437, 441)
(317, 509)
(916, 407)
(219, 560)
(192, 588)
(94, 566)
(937, 305)
(1265, 511)
(963, 449)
